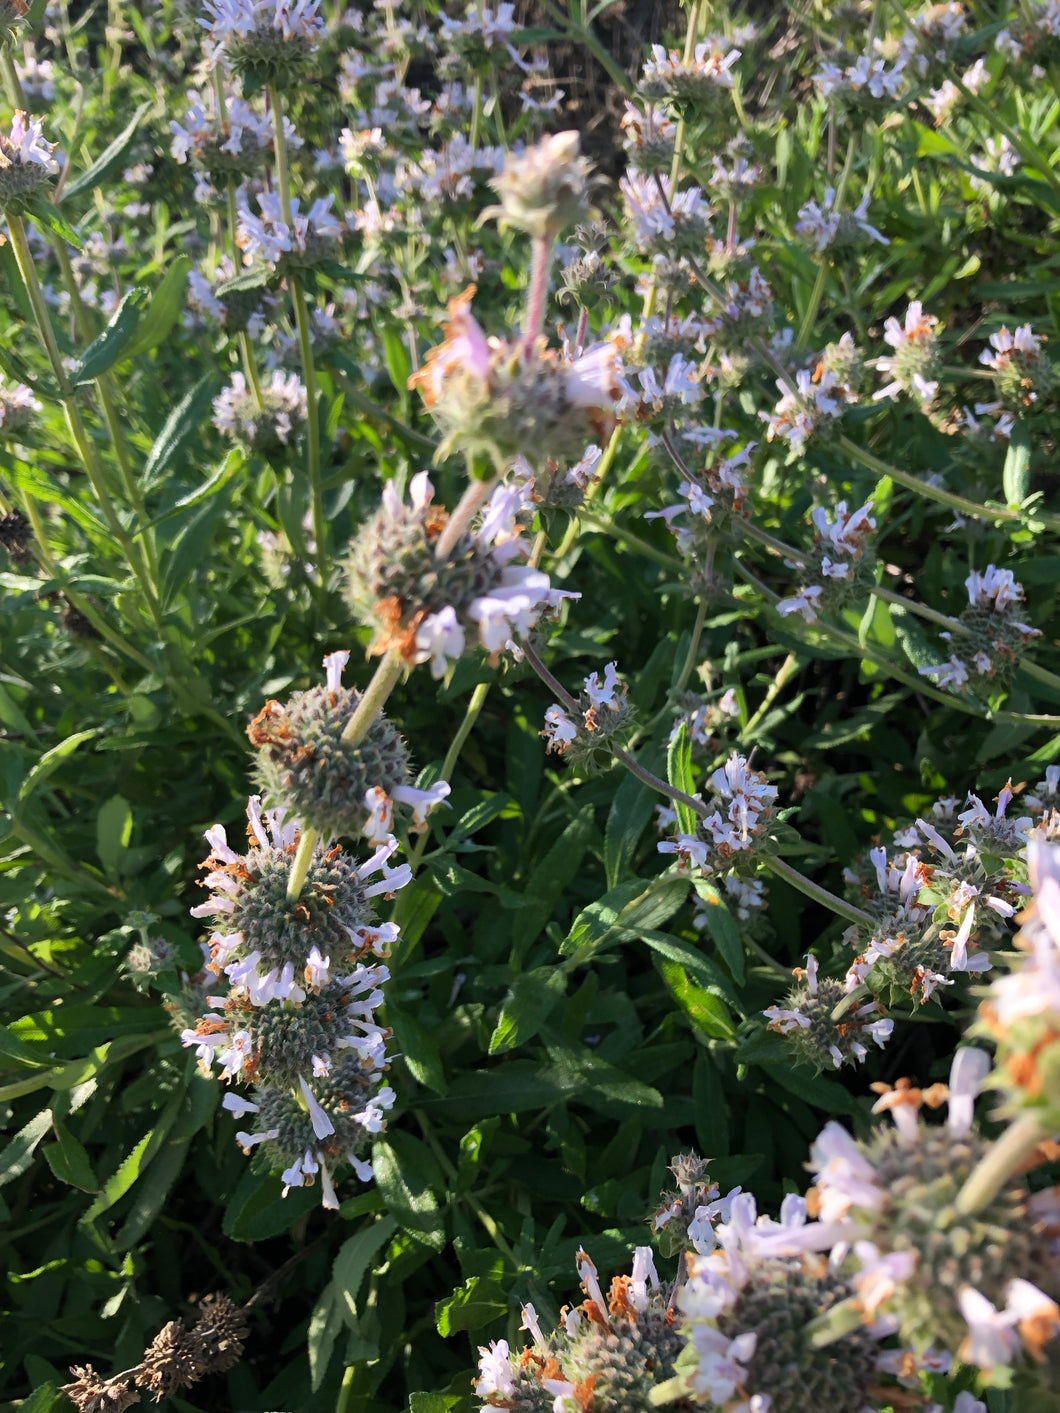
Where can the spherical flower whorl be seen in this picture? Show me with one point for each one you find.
(893, 1208)
(338, 789)
(425, 607)
(816, 1036)
(26, 162)
(738, 825)
(17, 406)
(584, 734)
(544, 189)
(499, 399)
(610, 1352)
(265, 41)
(269, 426)
(749, 1318)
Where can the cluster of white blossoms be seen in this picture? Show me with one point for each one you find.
(303, 982)
(838, 554)
(26, 161)
(608, 1352)
(232, 144)
(817, 398)
(869, 77)
(265, 40)
(733, 831)
(992, 634)
(1023, 375)
(426, 607)
(696, 82)
(826, 225)
(818, 1037)
(940, 1270)
(266, 425)
(913, 366)
(17, 405)
(283, 245)
(589, 726)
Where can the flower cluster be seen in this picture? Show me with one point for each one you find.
(688, 1212)
(810, 406)
(498, 398)
(26, 162)
(17, 406)
(303, 984)
(730, 835)
(970, 1276)
(991, 636)
(749, 1314)
(423, 605)
(608, 1352)
(289, 246)
(264, 41)
(697, 85)
(829, 228)
(913, 366)
(338, 788)
(1023, 375)
(267, 424)
(234, 144)
(824, 1028)
(584, 732)
(838, 565)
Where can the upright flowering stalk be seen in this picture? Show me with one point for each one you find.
(302, 978)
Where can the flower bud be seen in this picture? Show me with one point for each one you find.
(544, 189)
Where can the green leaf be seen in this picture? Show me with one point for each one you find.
(325, 1326)
(114, 824)
(250, 279)
(630, 811)
(528, 1004)
(69, 1161)
(179, 429)
(549, 879)
(167, 304)
(105, 350)
(706, 1011)
(1016, 477)
(431, 1402)
(476, 1303)
(135, 1164)
(679, 774)
(151, 1194)
(397, 358)
(723, 929)
(706, 973)
(43, 212)
(399, 1177)
(596, 922)
(418, 1049)
(42, 1400)
(257, 1210)
(478, 817)
(109, 160)
(355, 1257)
(17, 1156)
(50, 762)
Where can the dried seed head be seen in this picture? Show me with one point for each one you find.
(92, 1393)
(169, 1362)
(219, 1334)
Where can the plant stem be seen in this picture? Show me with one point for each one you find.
(936, 493)
(1002, 1161)
(784, 671)
(452, 755)
(634, 542)
(693, 647)
(386, 678)
(87, 452)
(537, 295)
(305, 344)
(475, 493)
(814, 890)
(307, 842)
